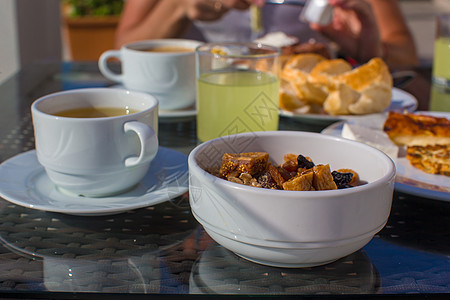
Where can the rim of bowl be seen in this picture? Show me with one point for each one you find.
(391, 172)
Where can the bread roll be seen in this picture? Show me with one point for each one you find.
(335, 85)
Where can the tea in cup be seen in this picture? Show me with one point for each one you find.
(164, 68)
(96, 142)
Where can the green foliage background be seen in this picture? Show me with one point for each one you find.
(95, 7)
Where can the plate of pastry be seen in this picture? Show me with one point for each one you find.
(419, 144)
(321, 90)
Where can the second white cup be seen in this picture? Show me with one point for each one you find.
(164, 68)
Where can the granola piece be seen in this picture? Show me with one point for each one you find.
(252, 163)
(323, 180)
(235, 179)
(255, 183)
(266, 181)
(246, 178)
(302, 182)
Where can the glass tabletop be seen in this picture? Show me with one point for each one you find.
(162, 250)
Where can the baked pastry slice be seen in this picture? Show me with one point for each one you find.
(433, 159)
(417, 129)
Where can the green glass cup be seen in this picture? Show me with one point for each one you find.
(237, 89)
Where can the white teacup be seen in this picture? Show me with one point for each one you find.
(96, 156)
(162, 68)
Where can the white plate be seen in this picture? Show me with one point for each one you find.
(178, 113)
(23, 181)
(401, 101)
(408, 179)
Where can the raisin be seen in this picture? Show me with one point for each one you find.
(304, 163)
(342, 180)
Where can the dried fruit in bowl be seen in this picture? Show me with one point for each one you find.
(297, 173)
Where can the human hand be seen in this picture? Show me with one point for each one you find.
(354, 29)
(210, 10)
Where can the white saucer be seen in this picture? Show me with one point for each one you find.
(23, 181)
(190, 111)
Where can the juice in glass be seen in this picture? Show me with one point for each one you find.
(230, 102)
(440, 98)
(441, 62)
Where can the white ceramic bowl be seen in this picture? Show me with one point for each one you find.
(292, 228)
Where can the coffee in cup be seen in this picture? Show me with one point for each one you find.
(96, 142)
(172, 49)
(164, 68)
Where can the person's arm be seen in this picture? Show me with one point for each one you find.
(156, 19)
(398, 43)
(372, 28)
(151, 19)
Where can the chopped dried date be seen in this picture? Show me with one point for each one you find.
(303, 162)
(342, 180)
(276, 176)
(290, 165)
(285, 173)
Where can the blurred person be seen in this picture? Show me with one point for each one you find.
(361, 29)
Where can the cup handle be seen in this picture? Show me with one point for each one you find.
(103, 66)
(148, 139)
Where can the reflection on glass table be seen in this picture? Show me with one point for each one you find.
(219, 271)
(161, 249)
